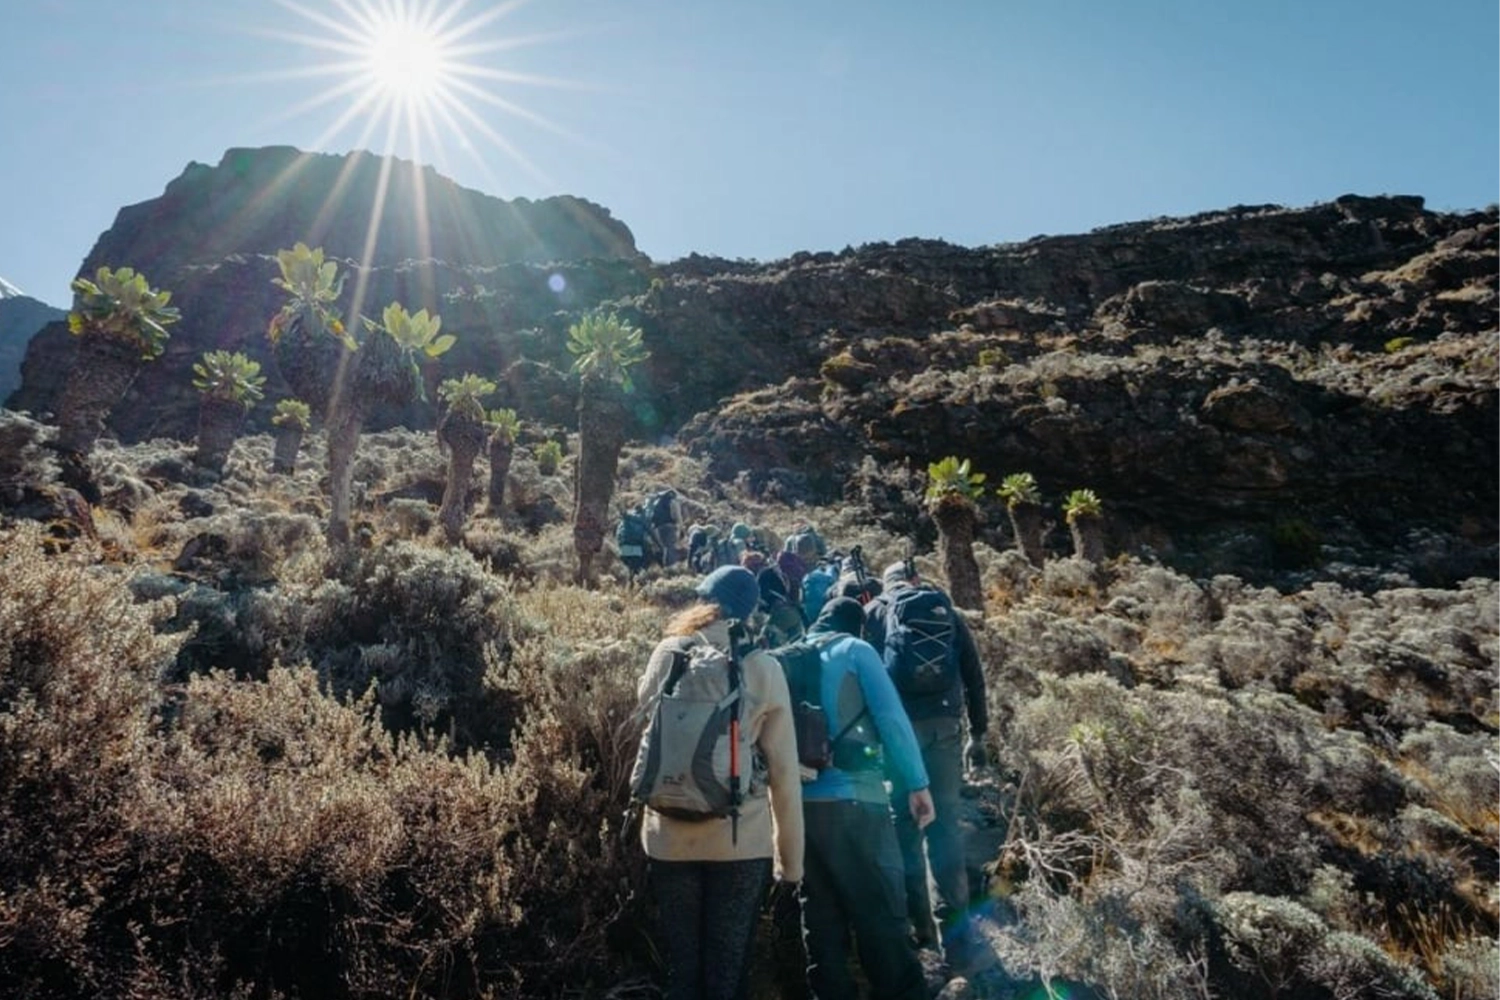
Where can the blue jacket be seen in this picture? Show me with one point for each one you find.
(853, 677)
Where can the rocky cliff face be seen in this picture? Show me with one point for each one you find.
(485, 264)
(1259, 387)
(1263, 388)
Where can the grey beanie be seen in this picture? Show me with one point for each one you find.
(898, 572)
(734, 589)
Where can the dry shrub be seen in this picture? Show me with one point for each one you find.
(575, 688)
(1054, 643)
(1071, 579)
(1469, 969)
(1009, 577)
(25, 461)
(78, 663)
(1288, 950)
(1456, 772)
(418, 623)
(1131, 798)
(1263, 641)
(265, 840)
(322, 857)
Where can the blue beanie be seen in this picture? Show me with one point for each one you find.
(734, 589)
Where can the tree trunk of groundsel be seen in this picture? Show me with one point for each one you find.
(219, 423)
(463, 436)
(501, 453)
(1026, 519)
(288, 444)
(601, 435)
(955, 519)
(1088, 538)
(101, 372)
(343, 438)
(452, 513)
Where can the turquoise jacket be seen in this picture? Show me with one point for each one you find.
(853, 677)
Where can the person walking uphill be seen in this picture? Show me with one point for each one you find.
(930, 654)
(854, 874)
(709, 873)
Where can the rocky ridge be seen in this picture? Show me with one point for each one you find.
(1255, 389)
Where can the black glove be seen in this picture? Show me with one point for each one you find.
(975, 755)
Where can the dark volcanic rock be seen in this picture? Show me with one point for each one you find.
(489, 267)
(259, 200)
(1327, 372)
(20, 318)
(1259, 375)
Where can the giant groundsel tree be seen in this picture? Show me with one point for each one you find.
(229, 384)
(605, 348)
(461, 430)
(953, 490)
(120, 321)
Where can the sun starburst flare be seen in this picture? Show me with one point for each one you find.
(416, 77)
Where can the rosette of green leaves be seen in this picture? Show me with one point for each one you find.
(313, 285)
(1018, 488)
(952, 477)
(413, 334)
(463, 395)
(292, 413)
(606, 346)
(121, 305)
(229, 377)
(1082, 503)
(504, 424)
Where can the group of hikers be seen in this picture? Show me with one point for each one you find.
(806, 727)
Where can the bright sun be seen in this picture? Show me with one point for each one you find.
(417, 78)
(407, 61)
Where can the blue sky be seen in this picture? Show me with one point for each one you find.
(759, 129)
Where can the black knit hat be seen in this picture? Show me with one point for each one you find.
(842, 614)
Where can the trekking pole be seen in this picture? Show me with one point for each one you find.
(857, 556)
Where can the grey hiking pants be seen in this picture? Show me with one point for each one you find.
(853, 883)
(941, 741)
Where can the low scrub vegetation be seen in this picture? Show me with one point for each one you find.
(241, 762)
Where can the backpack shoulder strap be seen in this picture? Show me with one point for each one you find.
(678, 668)
(821, 641)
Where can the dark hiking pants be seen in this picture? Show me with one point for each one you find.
(707, 912)
(941, 741)
(853, 883)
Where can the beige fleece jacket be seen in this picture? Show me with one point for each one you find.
(769, 825)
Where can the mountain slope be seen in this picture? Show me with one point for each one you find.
(21, 317)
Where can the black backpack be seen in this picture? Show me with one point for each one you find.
(855, 747)
(633, 540)
(921, 647)
(659, 505)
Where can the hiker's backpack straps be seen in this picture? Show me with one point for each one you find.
(659, 506)
(921, 642)
(802, 662)
(675, 672)
(694, 762)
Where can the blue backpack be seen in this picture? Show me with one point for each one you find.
(816, 587)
